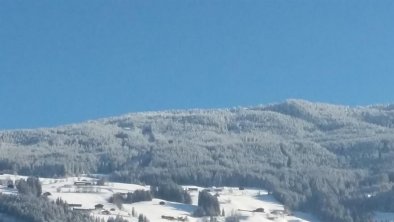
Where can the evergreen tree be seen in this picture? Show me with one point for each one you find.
(31, 186)
(170, 191)
(141, 218)
(133, 213)
(208, 205)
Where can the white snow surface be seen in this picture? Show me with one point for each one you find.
(232, 200)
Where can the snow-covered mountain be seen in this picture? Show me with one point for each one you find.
(295, 148)
(293, 119)
(316, 124)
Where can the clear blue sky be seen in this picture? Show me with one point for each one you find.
(68, 61)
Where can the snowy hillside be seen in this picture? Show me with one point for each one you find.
(232, 201)
(321, 157)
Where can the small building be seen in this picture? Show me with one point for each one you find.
(82, 183)
(162, 203)
(98, 206)
(85, 210)
(168, 217)
(10, 184)
(259, 210)
(183, 219)
(75, 205)
(46, 194)
(192, 189)
(105, 212)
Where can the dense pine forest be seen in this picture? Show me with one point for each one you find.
(27, 208)
(333, 161)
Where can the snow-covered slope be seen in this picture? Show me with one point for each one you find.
(232, 200)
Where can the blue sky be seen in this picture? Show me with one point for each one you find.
(69, 61)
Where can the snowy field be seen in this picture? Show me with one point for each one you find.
(232, 200)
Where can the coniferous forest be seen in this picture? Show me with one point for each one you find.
(28, 208)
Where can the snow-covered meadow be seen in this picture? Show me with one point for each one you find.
(232, 200)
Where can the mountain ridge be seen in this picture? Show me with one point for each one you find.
(295, 102)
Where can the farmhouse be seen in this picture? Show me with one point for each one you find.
(82, 183)
(192, 189)
(168, 217)
(105, 212)
(83, 210)
(46, 194)
(260, 210)
(98, 206)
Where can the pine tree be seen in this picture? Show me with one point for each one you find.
(141, 218)
(133, 212)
